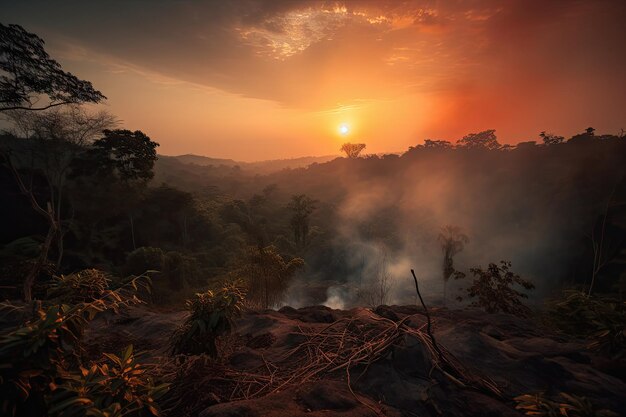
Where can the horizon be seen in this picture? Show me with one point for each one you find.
(388, 74)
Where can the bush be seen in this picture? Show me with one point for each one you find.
(494, 290)
(599, 319)
(211, 315)
(40, 363)
(116, 387)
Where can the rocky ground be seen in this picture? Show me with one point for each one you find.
(315, 361)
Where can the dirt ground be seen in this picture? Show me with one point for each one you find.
(315, 361)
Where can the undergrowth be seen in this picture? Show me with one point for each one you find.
(211, 315)
(42, 370)
(599, 319)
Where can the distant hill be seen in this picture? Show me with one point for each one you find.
(204, 160)
(193, 172)
(259, 167)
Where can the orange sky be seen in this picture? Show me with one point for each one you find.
(253, 80)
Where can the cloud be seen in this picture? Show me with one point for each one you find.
(314, 55)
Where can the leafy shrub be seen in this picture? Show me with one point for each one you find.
(42, 356)
(82, 286)
(211, 315)
(117, 387)
(600, 319)
(494, 290)
(567, 406)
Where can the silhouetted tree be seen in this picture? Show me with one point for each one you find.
(301, 207)
(130, 156)
(27, 73)
(352, 150)
(437, 144)
(482, 140)
(550, 139)
(452, 241)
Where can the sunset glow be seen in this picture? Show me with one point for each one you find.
(312, 208)
(274, 80)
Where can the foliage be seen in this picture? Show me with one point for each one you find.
(437, 144)
(39, 356)
(352, 150)
(267, 274)
(117, 387)
(301, 207)
(130, 156)
(82, 286)
(28, 72)
(64, 126)
(170, 270)
(601, 320)
(567, 406)
(494, 290)
(485, 140)
(550, 139)
(211, 315)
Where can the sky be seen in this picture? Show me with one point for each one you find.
(255, 80)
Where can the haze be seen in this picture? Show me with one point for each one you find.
(276, 79)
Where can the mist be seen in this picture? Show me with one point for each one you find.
(536, 207)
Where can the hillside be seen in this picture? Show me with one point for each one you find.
(316, 361)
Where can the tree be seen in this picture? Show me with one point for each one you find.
(267, 274)
(482, 140)
(588, 135)
(437, 144)
(352, 150)
(302, 207)
(452, 241)
(28, 74)
(550, 139)
(494, 290)
(130, 156)
(41, 163)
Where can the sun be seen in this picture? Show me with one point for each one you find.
(344, 129)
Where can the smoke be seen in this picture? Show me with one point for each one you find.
(510, 205)
(335, 298)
